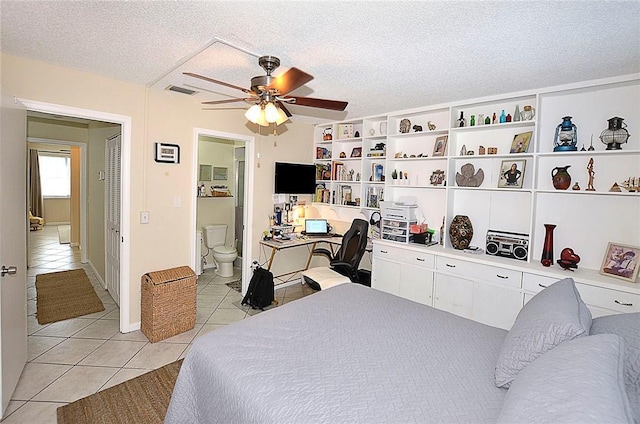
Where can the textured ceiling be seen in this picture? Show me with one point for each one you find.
(379, 56)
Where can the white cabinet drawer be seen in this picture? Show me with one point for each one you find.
(405, 256)
(609, 299)
(506, 277)
(535, 283)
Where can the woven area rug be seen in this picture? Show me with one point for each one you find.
(143, 399)
(65, 294)
(64, 234)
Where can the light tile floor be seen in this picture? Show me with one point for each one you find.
(71, 359)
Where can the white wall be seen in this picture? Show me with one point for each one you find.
(164, 190)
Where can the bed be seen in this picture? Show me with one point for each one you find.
(350, 354)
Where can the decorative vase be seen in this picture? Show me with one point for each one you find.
(460, 232)
(560, 177)
(547, 248)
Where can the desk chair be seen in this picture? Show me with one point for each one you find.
(35, 222)
(343, 266)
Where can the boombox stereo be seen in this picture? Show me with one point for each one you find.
(510, 245)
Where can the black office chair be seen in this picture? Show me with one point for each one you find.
(345, 261)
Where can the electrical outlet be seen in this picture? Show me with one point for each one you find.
(144, 217)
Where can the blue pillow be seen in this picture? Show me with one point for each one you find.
(555, 315)
(580, 381)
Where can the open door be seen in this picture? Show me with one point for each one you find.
(13, 246)
(112, 236)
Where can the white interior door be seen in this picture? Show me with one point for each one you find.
(113, 236)
(13, 246)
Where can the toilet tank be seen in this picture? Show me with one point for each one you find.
(215, 235)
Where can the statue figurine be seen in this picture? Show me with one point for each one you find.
(591, 174)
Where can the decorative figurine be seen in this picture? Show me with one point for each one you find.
(560, 177)
(468, 177)
(327, 134)
(576, 186)
(615, 188)
(616, 134)
(405, 126)
(493, 118)
(568, 259)
(528, 113)
(343, 155)
(591, 174)
(356, 134)
(463, 150)
(417, 128)
(632, 185)
(431, 125)
(372, 132)
(481, 150)
(566, 136)
(492, 150)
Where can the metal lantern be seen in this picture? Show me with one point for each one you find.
(616, 134)
(566, 136)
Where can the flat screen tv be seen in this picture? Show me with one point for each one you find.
(295, 178)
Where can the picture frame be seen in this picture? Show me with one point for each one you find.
(356, 152)
(511, 173)
(437, 177)
(206, 173)
(377, 172)
(219, 173)
(520, 143)
(167, 153)
(440, 145)
(621, 261)
(345, 131)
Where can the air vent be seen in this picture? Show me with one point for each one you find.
(181, 90)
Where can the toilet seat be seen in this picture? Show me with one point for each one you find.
(224, 250)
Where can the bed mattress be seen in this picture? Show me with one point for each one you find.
(349, 354)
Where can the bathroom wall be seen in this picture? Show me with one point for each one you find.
(216, 210)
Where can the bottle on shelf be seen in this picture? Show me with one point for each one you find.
(493, 118)
(516, 114)
(487, 120)
(473, 120)
(508, 117)
(462, 122)
(503, 117)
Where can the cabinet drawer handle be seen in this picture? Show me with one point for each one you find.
(542, 285)
(420, 259)
(502, 276)
(384, 251)
(622, 303)
(451, 266)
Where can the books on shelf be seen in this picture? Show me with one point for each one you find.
(322, 194)
(339, 171)
(323, 153)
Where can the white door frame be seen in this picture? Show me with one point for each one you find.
(83, 188)
(249, 144)
(125, 212)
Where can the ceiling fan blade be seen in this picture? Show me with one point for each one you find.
(284, 109)
(290, 80)
(226, 84)
(219, 102)
(320, 103)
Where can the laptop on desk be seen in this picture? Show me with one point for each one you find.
(316, 228)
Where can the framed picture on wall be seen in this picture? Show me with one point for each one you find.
(440, 145)
(511, 173)
(205, 173)
(621, 261)
(219, 173)
(520, 143)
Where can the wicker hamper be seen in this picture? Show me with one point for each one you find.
(168, 302)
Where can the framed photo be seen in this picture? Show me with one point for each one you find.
(520, 143)
(621, 261)
(345, 131)
(511, 174)
(377, 172)
(219, 173)
(356, 152)
(440, 146)
(205, 173)
(167, 153)
(437, 177)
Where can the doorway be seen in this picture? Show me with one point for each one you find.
(124, 122)
(240, 163)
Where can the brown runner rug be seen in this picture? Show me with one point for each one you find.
(63, 295)
(143, 399)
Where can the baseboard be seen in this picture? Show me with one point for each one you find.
(209, 266)
(95, 272)
(51, 224)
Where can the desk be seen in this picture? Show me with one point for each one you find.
(310, 243)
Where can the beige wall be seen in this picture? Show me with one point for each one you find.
(74, 211)
(164, 190)
(56, 210)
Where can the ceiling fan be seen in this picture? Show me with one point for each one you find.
(269, 93)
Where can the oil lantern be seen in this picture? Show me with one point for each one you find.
(566, 136)
(616, 134)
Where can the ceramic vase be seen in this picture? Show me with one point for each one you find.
(547, 248)
(560, 177)
(460, 232)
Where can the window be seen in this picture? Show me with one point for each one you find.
(55, 175)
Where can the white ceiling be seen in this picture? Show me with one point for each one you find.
(379, 56)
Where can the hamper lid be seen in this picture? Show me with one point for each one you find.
(167, 275)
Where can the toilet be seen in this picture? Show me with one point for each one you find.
(215, 236)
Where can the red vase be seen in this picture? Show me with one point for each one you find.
(547, 249)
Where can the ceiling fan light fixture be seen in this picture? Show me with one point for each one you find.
(253, 114)
(282, 117)
(271, 112)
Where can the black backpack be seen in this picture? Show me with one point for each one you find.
(260, 292)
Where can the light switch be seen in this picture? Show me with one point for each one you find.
(144, 217)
